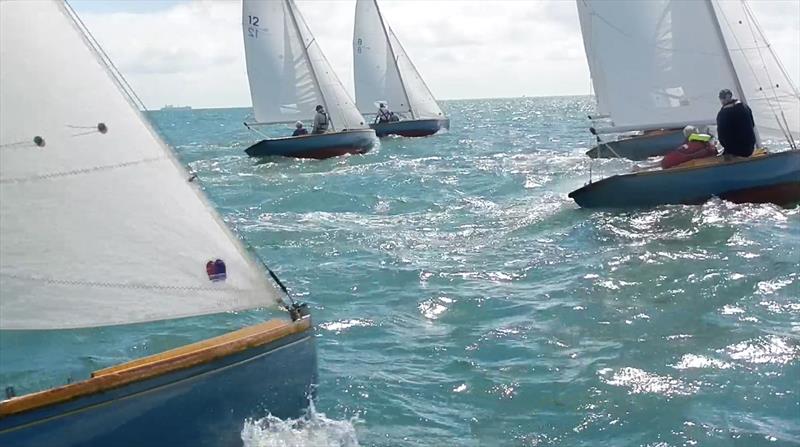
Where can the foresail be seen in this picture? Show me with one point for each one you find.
(339, 104)
(376, 75)
(419, 95)
(282, 84)
(655, 61)
(99, 223)
(768, 90)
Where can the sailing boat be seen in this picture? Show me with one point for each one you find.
(750, 66)
(289, 77)
(384, 74)
(101, 226)
(656, 67)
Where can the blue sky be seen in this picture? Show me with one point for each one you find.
(191, 52)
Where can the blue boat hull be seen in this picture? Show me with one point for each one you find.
(317, 146)
(411, 128)
(640, 147)
(773, 178)
(204, 405)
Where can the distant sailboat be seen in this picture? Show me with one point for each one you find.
(100, 225)
(385, 74)
(657, 66)
(749, 66)
(289, 76)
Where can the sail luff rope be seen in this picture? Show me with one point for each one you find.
(115, 72)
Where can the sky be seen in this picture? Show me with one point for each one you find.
(191, 52)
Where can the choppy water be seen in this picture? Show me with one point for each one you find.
(462, 299)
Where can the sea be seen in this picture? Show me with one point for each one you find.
(462, 299)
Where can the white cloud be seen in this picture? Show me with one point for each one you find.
(192, 53)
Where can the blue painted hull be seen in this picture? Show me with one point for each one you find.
(773, 178)
(204, 405)
(317, 146)
(639, 147)
(411, 128)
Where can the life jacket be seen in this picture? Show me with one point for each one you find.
(697, 146)
(701, 137)
(384, 114)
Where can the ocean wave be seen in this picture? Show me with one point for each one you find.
(312, 429)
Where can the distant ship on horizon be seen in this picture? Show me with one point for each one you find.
(171, 107)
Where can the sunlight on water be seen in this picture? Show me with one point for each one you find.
(462, 299)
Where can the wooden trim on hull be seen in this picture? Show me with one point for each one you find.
(184, 357)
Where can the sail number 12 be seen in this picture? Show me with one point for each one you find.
(252, 30)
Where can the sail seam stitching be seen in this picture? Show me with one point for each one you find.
(112, 285)
(81, 171)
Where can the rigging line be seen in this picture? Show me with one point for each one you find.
(752, 22)
(614, 27)
(750, 66)
(115, 72)
(774, 56)
(769, 77)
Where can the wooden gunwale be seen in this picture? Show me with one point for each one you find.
(183, 357)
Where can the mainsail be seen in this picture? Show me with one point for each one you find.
(99, 223)
(654, 62)
(383, 70)
(660, 63)
(289, 76)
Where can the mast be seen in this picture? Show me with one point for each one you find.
(290, 6)
(394, 57)
(728, 58)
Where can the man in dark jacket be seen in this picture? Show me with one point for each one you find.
(735, 126)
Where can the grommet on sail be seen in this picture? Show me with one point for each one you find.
(99, 227)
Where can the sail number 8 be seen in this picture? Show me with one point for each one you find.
(252, 30)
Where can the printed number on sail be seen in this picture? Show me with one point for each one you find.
(252, 31)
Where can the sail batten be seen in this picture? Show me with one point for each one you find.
(289, 76)
(383, 71)
(99, 223)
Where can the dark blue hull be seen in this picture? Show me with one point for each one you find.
(203, 405)
(411, 128)
(640, 147)
(316, 146)
(772, 178)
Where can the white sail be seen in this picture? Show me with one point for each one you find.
(767, 88)
(592, 58)
(289, 76)
(377, 78)
(383, 70)
(655, 62)
(99, 224)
